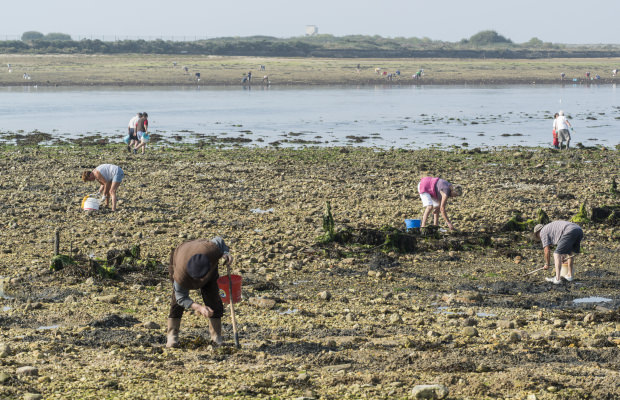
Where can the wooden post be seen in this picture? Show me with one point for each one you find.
(57, 242)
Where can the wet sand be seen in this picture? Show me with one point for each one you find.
(159, 70)
(347, 320)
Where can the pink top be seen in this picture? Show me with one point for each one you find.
(427, 185)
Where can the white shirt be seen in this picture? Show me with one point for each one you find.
(560, 123)
(133, 122)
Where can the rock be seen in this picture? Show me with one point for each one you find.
(4, 378)
(70, 299)
(5, 350)
(505, 324)
(514, 337)
(33, 396)
(151, 325)
(395, 318)
(262, 302)
(429, 392)
(589, 318)
(470, 331)
(111, 298)
(27, 370)
(325, 295)
(470, 322)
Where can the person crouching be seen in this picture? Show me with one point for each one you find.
(194, 265)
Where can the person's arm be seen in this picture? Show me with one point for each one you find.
(105, 186)
(182, 297)
(547, 256)
(442, 210)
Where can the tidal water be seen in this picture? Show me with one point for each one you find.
(379, 116)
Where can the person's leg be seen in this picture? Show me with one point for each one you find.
(557, 258)
(435, 215)
(211, 297)
(113, 188)
(427, 211)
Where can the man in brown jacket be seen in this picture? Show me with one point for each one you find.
(193, 265)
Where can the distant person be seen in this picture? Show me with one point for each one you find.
(561, 125)
(185, 69)
(142, 133)
(194, 265)
(377, 71)
(588, 75)
(614, 72)
(110, 177)
(197, 75)
(567, 236)
(554, 133)
(262, 67)
(562, 75)
(266, 80)
(249, 76)
(131, 131)
(435, 193)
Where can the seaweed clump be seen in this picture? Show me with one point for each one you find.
(582, 216)
(518, 224)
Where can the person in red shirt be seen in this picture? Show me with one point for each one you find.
(142, 131)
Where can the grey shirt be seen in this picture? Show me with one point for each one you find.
(551, 233)
(181, 294)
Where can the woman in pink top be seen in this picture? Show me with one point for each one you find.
(434, 193)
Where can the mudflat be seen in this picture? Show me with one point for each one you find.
(373, 314)
(117, 70)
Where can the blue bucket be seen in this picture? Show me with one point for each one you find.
(412, 223)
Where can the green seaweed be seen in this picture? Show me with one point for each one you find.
(60, 261)
(516, 222)
(328, 225)
(582, 216)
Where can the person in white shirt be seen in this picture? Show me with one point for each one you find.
(131, 131)
(561, 127)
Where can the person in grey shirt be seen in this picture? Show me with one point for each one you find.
(567, 237)
(194, 265)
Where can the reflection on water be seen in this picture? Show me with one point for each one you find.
(382, 116)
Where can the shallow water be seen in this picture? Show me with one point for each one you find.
(382, 116)
(593, 299)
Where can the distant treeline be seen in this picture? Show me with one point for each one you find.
(485, 44)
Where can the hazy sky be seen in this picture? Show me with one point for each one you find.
(568, 21)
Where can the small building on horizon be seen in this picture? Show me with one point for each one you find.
(312, 30)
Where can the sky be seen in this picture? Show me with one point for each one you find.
(568, 21)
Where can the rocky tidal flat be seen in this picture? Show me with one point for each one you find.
(452, 315)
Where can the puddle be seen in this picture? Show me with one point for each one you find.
(48, 327)
(593, 299)
(444, 310)
(259, 211)
(289, 311)
(484, 314)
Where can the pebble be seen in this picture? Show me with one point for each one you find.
(27, 370)
(429, 392)
(325, 295)
(4, 377)
(395, 318)
(589, 318)
(505, 324)
(70, 299)
(514, 337)
(33, 396)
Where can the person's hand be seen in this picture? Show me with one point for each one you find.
(227, 259)
(546, 266)
(205, 311)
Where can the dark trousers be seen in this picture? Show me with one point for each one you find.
(210, 295)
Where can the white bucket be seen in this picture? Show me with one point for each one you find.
(90, 204)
